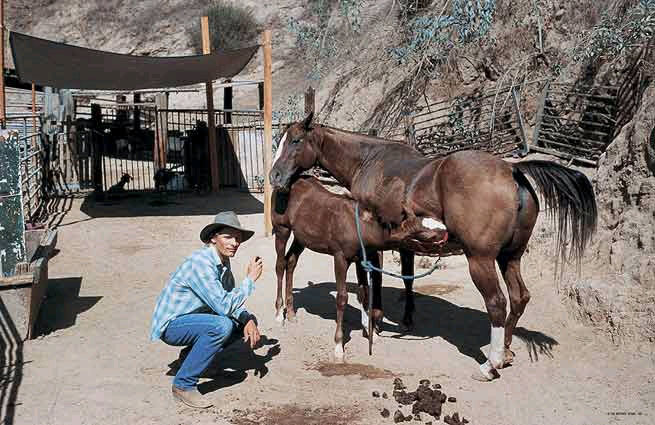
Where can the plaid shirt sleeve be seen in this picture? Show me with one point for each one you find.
(204, 280)
(196, 284)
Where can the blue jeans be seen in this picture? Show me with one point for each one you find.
(208, 334)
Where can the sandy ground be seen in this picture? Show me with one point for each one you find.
(94, 363)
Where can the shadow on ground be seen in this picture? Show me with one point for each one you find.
(62, 305)
(144, 204)
(229, 367)
(11, 366)
(465, 328)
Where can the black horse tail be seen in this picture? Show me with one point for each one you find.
(569, 201)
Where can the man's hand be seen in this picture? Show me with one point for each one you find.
(254, 268)
(251, 333)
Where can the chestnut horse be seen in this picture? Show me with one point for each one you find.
(324, 222)
(487, 205)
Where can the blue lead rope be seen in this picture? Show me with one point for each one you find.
(369, 267)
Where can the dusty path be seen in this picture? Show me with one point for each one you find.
(94, 363)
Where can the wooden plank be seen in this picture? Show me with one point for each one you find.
(555, 117)
(517, 110)
(563, 155)
(268, 129)
(161, 134)
(211, 119)
(590, 96)
(540, 114)
(596, 133)
(3, 106)
(593, 152)
(577, 139)
(310, 100)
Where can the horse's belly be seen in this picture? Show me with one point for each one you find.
(313, 242)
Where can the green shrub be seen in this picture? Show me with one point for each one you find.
(231, 26)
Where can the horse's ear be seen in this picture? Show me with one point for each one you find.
(308, 121)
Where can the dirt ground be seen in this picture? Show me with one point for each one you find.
(93, 362)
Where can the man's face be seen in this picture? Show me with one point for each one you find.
(227, 241)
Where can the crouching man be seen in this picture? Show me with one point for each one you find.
(201, 308)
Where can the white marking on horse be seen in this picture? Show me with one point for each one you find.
(497, 349)
(364, 317)
(280, 147)
(338, 352)
(432, 224)
(486, 370)
(279, 317)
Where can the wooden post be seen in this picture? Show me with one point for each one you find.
(268, 129)
(137, 111)
(410, 135)
(540, 114)
(33, 108)
(227, 103)
(161, 135)
(517, 109)
(310, 100)
(211, 124)
(3, 107)
(260, 92)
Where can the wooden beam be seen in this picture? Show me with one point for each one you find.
(33, 107)
(3, 106)
(227, 104)
(268, 129)
(211, 120)
(517, 110)
(310, 100)
(563, 155)
(161, 101)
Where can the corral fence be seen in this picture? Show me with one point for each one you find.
(239, 140)
(576, 122)
(107, 141)
(491, 121)
(573, 121)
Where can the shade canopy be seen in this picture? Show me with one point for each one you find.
(63, 66)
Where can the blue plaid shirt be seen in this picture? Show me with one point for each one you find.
(201, 284)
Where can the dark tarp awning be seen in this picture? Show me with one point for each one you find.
(62, 66)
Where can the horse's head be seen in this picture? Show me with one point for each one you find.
(296, 152)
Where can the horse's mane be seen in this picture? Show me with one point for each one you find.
(365, 137)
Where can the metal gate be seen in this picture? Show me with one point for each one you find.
(239, 140)
(120, 139)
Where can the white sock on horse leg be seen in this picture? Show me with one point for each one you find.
(364, 317)
(497, 348)
(338, 351)
(487, 370)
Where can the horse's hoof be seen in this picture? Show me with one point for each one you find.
(509, 357)
(485, 373)
(478, 376)
(376, 336)
(378, 314)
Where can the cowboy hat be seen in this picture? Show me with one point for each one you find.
(224, 219)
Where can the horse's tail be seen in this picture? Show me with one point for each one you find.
(570, 202)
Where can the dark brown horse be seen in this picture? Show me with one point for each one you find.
(324, 222)
(488, 206)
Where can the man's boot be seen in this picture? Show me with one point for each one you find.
(191, 398)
